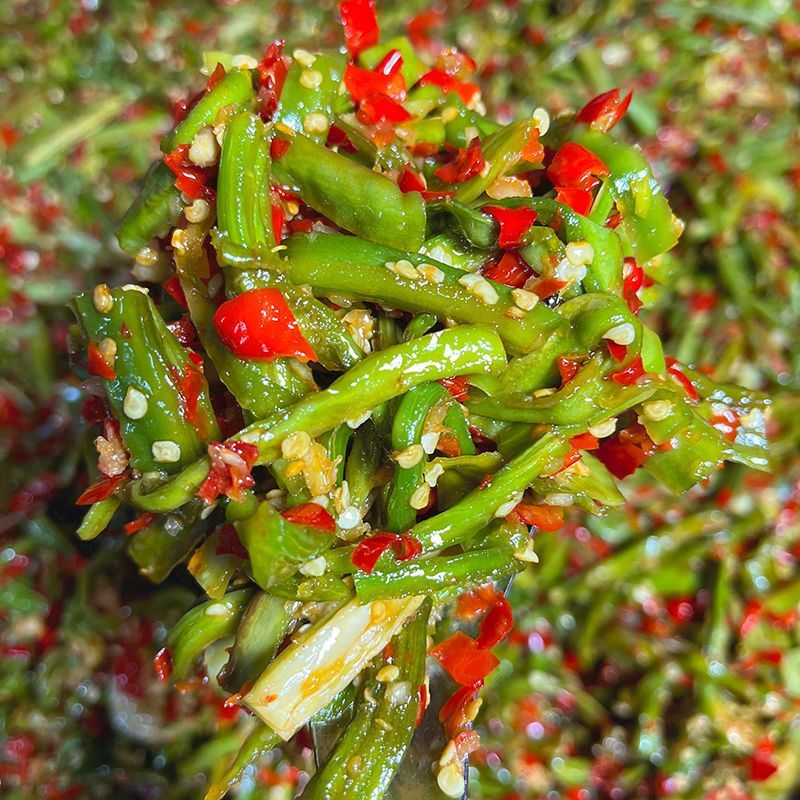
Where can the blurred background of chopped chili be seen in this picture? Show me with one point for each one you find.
(656, 652)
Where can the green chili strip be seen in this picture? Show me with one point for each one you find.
(146, 396)
(345, 266)
(351, 195)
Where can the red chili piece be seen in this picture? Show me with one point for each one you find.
(579, 200)
(259, 324)
(173, 288)
(547, 287)
(510, 270)
(190, 179)
(362, 82)
(369, 550)
(619, 352)
(574, 165)
(163, 664)
(410, 181)
(311, 515)
(567, 368)
(376, 108)
(134, 526)
(674, 370)
(497, 623)
(360, 23)
(633, 281)
(98, 365)
(230, 471)
(457, 387)
(272, 71)
(101, 490)
(603, 112)
(463, 659)
(468, 163)
(465, 90)
(514, 223)
(545, 518)
(627, 376)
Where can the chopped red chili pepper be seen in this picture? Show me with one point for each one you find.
(260, 324)
(574, 165)
(463, 659)
(727, 423)
(139, 523)
(172, 286)
(189, 178)
(190, 388)
(338, 138)
(674, 370)
(453, 714)
(362, 82)
(483, 443)
(547, 287)
(183, 330)
(579, 200)
(632, 282)
(278, 148)
(360, 23)
(514, 223)
(423, 704)
(390, 64)
(272, 71)
(101, 490)
(278, 218)
(97, 364)
(163, 664)
(603, 112)
(497, 623)
(376, 108)
(568, 368)
(312, 516)
(410, 181)
(584, 441)
(763, 764)
(457, 387)
(533, 151)
(510, 270)
(621, 458)
(545, 518)
(627, 376)
(468, 92)
(230, 471)
(619, 352)
(419, 27)
(468, 163)
(369, 550)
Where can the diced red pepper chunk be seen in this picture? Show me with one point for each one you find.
(468, 163)
(163, 664)
(633, 280)
(579, 200)
(468, 92)
(376, 109)
(674, 370)
(603, 112)
(547, 287)
(260, 324)
(410, 181)
(230, 471)
(510, 270)
(189, 178)
(172, 286)
(369, 550)
(543, 517)
(514, 223)
(360, 23)
(453, 714)
(497, 624)
(141, 522)
(567, 368)
(457, 387)
(463, 659)
(619, 352)
(574, 165)
(584, 441)
(98, 365)
(101, 490)
(361, 83)
(627, 376)
(272, 71)
(311, 515)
